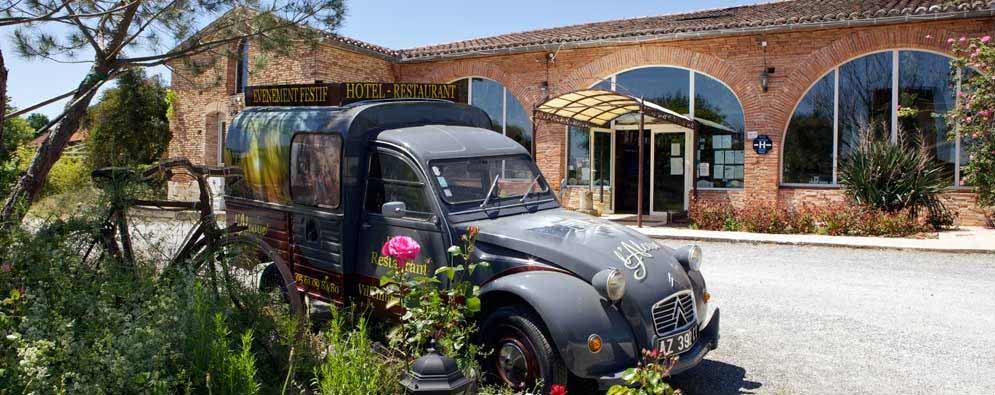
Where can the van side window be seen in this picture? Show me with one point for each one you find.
(391, 179)
(315, 171)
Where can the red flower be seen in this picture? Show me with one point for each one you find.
(557, 389)
(472, 231)
(401, 248)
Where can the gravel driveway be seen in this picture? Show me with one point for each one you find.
(812, 320)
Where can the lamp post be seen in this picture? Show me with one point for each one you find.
(435, 374)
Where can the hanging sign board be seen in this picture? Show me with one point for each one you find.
(344, 93)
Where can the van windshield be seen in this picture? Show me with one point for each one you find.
(468, 180)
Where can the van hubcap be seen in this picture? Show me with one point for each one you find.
(515, 364)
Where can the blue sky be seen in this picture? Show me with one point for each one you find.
(391, 23)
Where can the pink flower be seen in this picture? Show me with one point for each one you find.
(950, 41)
(557, 389)
(968, 119)
(986, 39)
(5, 268)
(962, 39)
(401, 248)
(929, 36)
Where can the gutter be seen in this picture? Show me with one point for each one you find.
(683, 36)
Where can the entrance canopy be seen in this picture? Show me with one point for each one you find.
(597, 108)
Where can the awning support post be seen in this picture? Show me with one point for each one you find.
(639, 189)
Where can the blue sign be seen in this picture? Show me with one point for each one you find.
(763, 144)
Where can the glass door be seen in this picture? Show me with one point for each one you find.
(668, 173)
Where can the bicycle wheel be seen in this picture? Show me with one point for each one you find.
(233, 267)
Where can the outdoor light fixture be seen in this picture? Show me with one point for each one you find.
(767, 71)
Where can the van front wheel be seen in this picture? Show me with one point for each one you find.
(521, 354)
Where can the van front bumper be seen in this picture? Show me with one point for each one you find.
(708, 340)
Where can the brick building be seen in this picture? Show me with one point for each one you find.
(808, 74)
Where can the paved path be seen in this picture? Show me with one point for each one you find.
(967, 239)
(814, 320)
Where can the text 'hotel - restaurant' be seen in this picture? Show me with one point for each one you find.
(775, 96)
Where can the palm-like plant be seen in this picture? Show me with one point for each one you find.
(894, 176)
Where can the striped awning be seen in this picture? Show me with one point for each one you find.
(597, 108)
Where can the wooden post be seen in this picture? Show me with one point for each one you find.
(639, 189)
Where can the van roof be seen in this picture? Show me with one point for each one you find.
(432, 142)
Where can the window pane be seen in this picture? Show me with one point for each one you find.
(579, 156)
(864, 99)
(605, 84)
(926, 93)
(393, 180)
(519, 124)
(808, 142)
(667, 86)
(489, 96)
(602, 170)
(462, 90)
(315, 175)
(470, 180)
(720, 138)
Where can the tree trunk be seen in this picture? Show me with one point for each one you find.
(30, 184)
(3, 98)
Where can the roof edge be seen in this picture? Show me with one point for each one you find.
(680, 36)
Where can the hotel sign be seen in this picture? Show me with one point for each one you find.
(344, 93)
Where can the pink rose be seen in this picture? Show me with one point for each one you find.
(986, 39)
(401, 248)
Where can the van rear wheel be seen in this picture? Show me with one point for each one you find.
(522, 354)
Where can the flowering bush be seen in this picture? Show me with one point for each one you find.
(840, 219)
(974, 113)
(433, 308)
(647, 378)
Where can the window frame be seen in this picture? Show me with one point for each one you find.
(422, 183)
(691, 113)
(293, 166)
(892, 134)
(504, 106)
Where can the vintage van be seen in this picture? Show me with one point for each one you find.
(566, 296)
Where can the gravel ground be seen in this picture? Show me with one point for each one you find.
(813, 320)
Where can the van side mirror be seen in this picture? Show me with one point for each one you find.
(394, 209)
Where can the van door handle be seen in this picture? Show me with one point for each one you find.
(365, 226)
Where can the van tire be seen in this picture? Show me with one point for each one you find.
(521, 333)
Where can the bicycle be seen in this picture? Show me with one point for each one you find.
(226, 259)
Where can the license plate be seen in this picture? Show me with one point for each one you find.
(678, 343)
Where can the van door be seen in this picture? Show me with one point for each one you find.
(316, 219)
(394, 178)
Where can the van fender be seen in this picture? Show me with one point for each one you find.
(572, 311)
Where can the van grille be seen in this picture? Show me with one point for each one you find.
(674, 312)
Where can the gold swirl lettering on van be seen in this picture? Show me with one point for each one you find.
(391, 263)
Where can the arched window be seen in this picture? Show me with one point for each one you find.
(719, 146)
(892, 92)
(508, 117)
(242, 66)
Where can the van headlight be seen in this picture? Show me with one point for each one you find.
(610, 283)
(689, 256)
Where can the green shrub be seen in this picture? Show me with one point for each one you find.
(894, 176)
(974, 114)
(841, 219)
(351, 366)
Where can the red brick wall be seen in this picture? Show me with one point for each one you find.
(800, 59)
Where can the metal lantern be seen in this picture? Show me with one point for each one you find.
(435, 374)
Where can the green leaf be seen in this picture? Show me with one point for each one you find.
(473, 304)
(384, 280)
(391, 303)
(455, 250)
(629, 375)
(483, 264)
